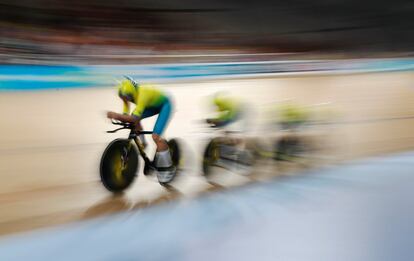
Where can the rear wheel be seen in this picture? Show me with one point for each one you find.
(175, 153)
(119, 164)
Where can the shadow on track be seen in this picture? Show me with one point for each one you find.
(117, 203)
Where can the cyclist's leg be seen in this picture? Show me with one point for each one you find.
(163, 159)
(149, 112)
(160, 125)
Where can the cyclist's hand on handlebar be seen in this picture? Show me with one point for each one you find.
(115, 116)
(211, 122)
(111, 115)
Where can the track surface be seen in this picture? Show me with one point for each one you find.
(359, 211)
(51, 141)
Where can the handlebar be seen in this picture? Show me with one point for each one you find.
(126, 125)
(204, 123)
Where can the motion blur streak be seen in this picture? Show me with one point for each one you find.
(37, 30)
(294, 121)
(51, 168)
(358, 211)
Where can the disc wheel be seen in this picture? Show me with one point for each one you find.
(175, 152)
(119, 164)
(175, 158)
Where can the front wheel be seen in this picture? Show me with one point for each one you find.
(289, 148)
(119, 164)
(227, 156)
(211, 156)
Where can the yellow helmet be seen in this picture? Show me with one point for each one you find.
(127, 89)
(223, 100)
(220, 98)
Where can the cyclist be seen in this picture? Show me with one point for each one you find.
(231, 115)
(229, 110)
(292, 116)
(149, 101)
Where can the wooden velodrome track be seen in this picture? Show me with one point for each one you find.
(51, 141)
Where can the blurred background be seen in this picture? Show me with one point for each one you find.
(324, 134)
(65, 32)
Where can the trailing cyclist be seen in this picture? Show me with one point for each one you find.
(229, 110)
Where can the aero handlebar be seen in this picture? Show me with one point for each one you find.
(126, 125)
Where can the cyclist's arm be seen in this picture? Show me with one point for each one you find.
(125, 107)
(219, 120)
(227, 110)
(225, 115)
(123, 117)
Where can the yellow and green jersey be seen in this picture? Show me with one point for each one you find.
(144, 96)
(291, 113)
(227, 107)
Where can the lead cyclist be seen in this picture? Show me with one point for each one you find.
(148, 101)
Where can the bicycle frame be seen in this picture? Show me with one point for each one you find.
(133, 135)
